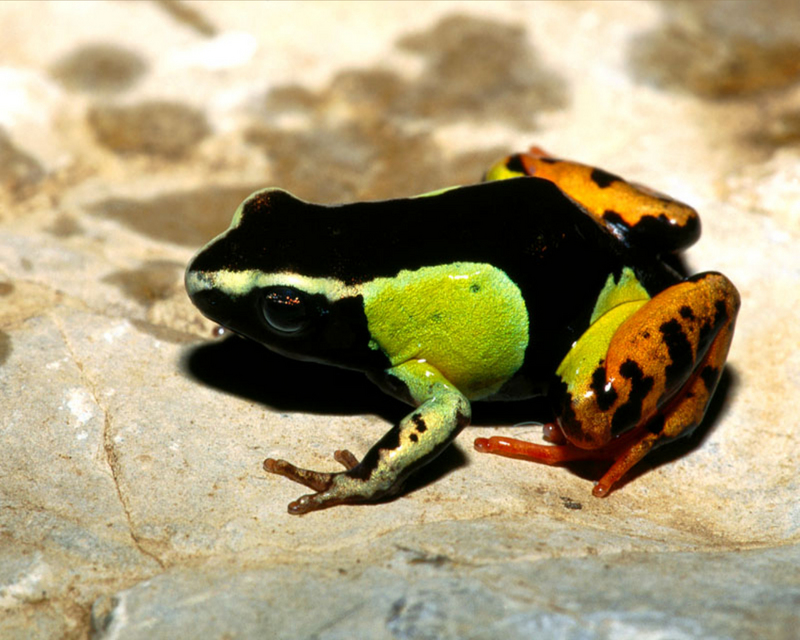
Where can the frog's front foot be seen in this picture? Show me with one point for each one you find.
(319, 481)
(422, 435)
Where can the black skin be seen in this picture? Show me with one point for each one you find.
(556, 253)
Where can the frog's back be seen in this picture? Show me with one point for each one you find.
(558, 256)
(523, 225)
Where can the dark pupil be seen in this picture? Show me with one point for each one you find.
(286, 310)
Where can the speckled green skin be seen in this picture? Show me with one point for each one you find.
(466, 320)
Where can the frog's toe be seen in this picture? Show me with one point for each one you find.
(303, 505)
(316, 480)
(345, 458)
(546, 453)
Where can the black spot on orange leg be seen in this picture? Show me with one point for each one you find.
(605, 394)
(514, 164)
(603, 179)
(639, 386)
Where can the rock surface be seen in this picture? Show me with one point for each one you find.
(132, 499)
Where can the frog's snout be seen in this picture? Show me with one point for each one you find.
(196, 281)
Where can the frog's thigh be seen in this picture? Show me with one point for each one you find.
(422, 435)
(684, 409)
(661, 370)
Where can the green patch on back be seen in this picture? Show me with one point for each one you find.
(617, 302)
(501, 172)
(577, 367)
(468, 320)
(628, 289)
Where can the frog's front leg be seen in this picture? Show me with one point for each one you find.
(642, 375)
(442, 411)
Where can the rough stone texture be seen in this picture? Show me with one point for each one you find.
(132, 499)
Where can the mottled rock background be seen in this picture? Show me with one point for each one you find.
(132, 499)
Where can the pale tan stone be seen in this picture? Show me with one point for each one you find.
(132, 498)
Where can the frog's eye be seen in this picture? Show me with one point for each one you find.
(286, 310)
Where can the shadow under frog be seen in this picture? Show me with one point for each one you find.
(248, 370)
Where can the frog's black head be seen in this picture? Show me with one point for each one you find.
(247, 281)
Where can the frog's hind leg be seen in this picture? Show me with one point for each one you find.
(635, 214)
(651, 385)
(681, 414)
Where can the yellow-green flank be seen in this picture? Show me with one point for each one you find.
(468, 320)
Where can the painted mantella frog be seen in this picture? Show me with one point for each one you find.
(544, 279)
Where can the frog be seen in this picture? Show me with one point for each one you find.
(547, 278)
